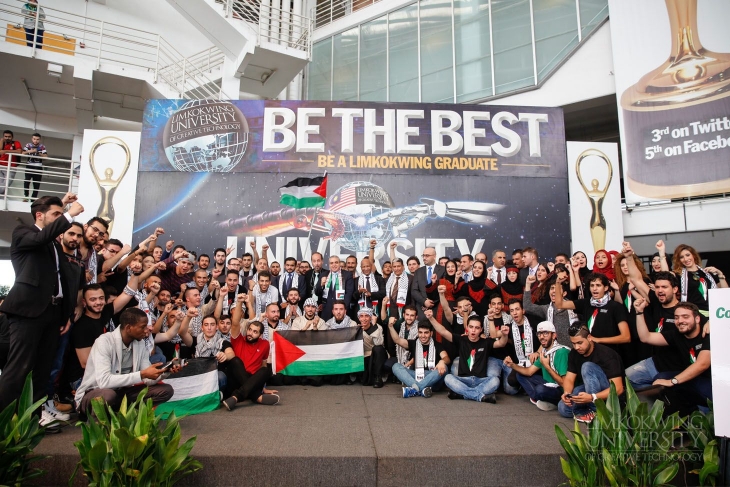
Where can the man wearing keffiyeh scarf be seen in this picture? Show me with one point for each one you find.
(429, 362)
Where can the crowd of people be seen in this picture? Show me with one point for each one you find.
(92, 317)
(34, 152)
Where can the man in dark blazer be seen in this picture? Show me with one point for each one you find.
(326, 289)
(369, 287)
(423, 290)
(43, 297)
(315, 274)
(392, 294)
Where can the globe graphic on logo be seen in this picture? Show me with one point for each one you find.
(355, 204)
(206, 136)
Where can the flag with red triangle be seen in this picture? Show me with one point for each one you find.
(327, 352)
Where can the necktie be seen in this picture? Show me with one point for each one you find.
(532, 271)
(315, 279)
(287, 284)
(368, 302)
(428, 275)
(499, 276)
(466, 277)
(394, 292)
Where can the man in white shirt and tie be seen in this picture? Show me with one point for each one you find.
(498, 273)
(467, 261)
(424, 289)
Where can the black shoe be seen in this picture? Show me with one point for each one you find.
(378, 384)
(453, 395)
(490, 398)
(230, 403)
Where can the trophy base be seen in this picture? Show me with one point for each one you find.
(680, 190)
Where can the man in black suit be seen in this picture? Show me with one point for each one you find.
(43, 297)
(530, 261)
(315, 274)
(424, 288)
(337, 285)
(370, 287)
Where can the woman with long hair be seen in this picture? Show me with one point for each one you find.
(452, 280)
(695, 281)
(477, 289)
(579, 257)
(625, 293)
(539, 289)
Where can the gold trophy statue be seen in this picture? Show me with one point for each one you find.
(596, 196)
(108, 184)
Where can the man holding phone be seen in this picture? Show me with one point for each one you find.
(119, 366)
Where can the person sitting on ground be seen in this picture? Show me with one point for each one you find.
(309, 320)
(477, 378)
(591, 369)
(544, 389)
(119, 366)
(339, 316)
(212, 344)
(252, 352)
(405, 329)
(429, 365)
(690, 387)
(522, 339)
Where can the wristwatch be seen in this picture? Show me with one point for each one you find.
(674, 381)
(594, 397)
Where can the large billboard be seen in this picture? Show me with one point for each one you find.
(671, 61)
(462, 178)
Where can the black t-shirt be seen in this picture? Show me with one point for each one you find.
(660, 319)
(83, 335)
(694, 293)
(438, 348)
(602, 322)
(510, 350)
(605, 357)
(687, 349)
(473, 356)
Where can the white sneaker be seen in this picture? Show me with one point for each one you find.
(546, 406)
(47, 418)
(50, 408)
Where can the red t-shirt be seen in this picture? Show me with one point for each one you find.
(14, 145)
(251, 354)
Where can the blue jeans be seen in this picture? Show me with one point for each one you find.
(505, 371)
(455, 367)
(535, 387)
(473, 388)
(58, 362)
(594, 381)
(432, 379)
(642, 374)
(222, 380)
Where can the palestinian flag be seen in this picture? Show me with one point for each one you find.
(328, 352)
(304, 192)
(592, 320)
(196, 389)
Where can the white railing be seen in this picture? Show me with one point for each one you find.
(273, 23)
(109, 43)
(327, 11)
(58, 177)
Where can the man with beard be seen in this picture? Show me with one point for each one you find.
(253, 352)
(522, 339)
(302, 269)
(42, 299)
(309, 319)
(544, 389)
(689, 386)
(351, 265)
(262, 294)
(339, 317)
(398, 289)
(93, 229)
(373, 349)
(337, 285)
(290, 279)
(591, 369)
(290, 307)
(219, 257)
(262, 265)
(203, 262)
(70, 240)
(275, 270)
(228, 293)
(429, 365)
(313, 276)
(405, 329)
(425, 282)
(247, 269)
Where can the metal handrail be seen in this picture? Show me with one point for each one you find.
(273, 24)
(58, 177)
(109, 43)
(328, 11)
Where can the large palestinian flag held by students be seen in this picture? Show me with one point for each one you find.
(328, 352)
(196, 389)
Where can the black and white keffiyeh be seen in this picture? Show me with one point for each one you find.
(523, 347)
(430, 363)
(262, 300)
(703, 288)
(209, 348)
(550, 353)
(402, 289)
(345, 323)
(550, 314)
(402, 354)
(600, 303)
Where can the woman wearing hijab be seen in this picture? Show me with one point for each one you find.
(452, 280)
(695, 281)
(602, 264)
(511, 288)
(477, 289)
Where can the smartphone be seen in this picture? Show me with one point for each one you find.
(167, 365)
(569, 396)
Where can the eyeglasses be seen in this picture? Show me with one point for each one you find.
(428, 255)
(96, 230)
(543, 333)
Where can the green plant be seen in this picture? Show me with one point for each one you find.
(20, 433)
(133, 447)
(701, 430)
(633, 446)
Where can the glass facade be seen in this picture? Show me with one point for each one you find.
(445, 51)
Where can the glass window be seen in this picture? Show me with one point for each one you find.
(320, 71)
(556, 32)
(403, 54)
(373, 60)
(592, 12)
(473, 56)
(512, 36)
(437, 78)
(344, 86)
